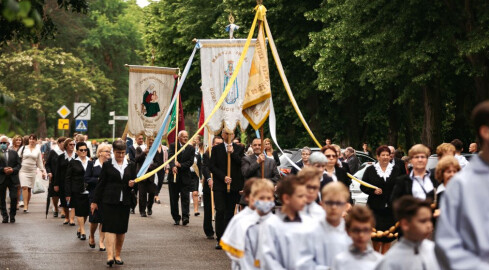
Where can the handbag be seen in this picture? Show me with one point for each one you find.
(38, 187)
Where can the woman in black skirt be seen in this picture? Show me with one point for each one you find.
(382, 175)
(91, 179)
(60, 179)
(113, 191)
(76, 194)
(51, 171)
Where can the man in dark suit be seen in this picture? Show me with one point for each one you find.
(225, 201)
(251, 165)
(352, 160)
(9, 178)
(206, 189)
(132, 148)
(179, 179)
(397, 162)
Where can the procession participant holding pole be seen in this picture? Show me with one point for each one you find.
(207, 190)
(228, 180)
(180, 181)
(251, 165)
(147, 188)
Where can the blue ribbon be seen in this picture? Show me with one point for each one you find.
(159, 136)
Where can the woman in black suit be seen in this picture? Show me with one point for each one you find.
(113, 191)
(76, 194)
(60, 177)
(333, 170)
(418, 182)
(382, 175)
(51, 171)
(91, 179)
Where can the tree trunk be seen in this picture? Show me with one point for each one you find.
(394, 120)
(431, 134)
(42, 130)
(409, 124)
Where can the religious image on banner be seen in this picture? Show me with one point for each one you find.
(218, 60)
(150, 92)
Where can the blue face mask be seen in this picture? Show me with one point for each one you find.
(3, 146)
(264, 206)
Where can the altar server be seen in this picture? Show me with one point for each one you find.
(311, 179)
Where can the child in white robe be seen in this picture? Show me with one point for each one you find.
(360, 255)
(413, 251)
(287, 238)
(311, 178)
(240, 240)
(333, 238)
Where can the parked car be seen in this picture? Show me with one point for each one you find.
(433, 160)
(356, 193)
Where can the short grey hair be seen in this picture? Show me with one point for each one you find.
(317, 157)
(4, 138)
(180, 132)
(350, 149)
(306, 149)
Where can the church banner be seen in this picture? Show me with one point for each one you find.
(218, 59)
(150, 93)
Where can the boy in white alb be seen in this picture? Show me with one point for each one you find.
(287, 238)
(311, 179)
(413, 251)
(240, 240)
(360, 255)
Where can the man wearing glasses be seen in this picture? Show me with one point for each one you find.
(9, 178)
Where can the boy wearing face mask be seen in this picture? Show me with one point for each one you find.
(331, 235)
(413, 251)
(287, 238)
(240, 240)
(310, 177)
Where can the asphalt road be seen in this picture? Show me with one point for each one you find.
(34, 242)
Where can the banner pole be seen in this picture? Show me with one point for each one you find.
(228, 185)
(209, 148)
(262, 150)
(177, 108)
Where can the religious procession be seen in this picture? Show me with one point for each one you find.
(216, 188)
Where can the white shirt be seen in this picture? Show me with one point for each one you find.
(84, 164)
(421, 186)
(314, 211)
(462, 161)
(357, 260)
(408, 255)
(121, 169)
(331, 241)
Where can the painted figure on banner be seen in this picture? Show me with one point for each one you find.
(150, 102)
(233, 94)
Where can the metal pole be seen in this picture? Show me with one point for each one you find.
(113, 131)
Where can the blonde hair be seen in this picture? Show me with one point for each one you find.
(103, 146)
(418, 149)
(335, 188)
(267, 140)
(443, 165)
(262, 184)
(444, 148)
(308, 173)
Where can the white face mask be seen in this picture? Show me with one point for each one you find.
(264, 206)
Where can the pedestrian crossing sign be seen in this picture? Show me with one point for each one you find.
(81, 125)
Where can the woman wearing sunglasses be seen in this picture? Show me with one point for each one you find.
(60, 178)
(333, 170)
(76, 194)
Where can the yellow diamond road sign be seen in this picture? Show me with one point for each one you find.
(64, 111)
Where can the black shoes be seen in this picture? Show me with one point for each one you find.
(150, 212)
(84, 237)
(55, 214)
(102, 249)
(12, 220)
(62, 216)
(197, 214)
(210, 237)
(119, 262)
(110, 263)
(177, 222)
(185, 222)
(72, 224)
(143, 214)
(91, 245)
(5, 220)
(218, 247)
(132, 211)
(78, 234)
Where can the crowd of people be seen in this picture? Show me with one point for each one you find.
(263, 219)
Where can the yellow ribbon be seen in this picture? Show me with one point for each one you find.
(363, 183)
(286, 83)
(219, 102)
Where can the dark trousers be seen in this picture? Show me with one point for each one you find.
(7, 183)
(161, 176)
(208, 229)
(146, 195)
(136, 189)
(179, 190)
(225, 204)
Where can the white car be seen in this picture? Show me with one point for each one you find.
(357, 195)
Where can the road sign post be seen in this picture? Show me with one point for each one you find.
(112, 122)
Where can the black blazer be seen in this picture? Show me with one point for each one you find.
(275, 157)
(218, 166)
(132, 152)
(400, 166)
(340, 176)
(13, 162)
(404, 186)
(92, 174)
(110, 185)
(374, 201)
(51, 163)
(299, 164)
(75, 178)
(250, 168)
(199, 166)
(186, 160)
(61, 167)
(206, 173)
